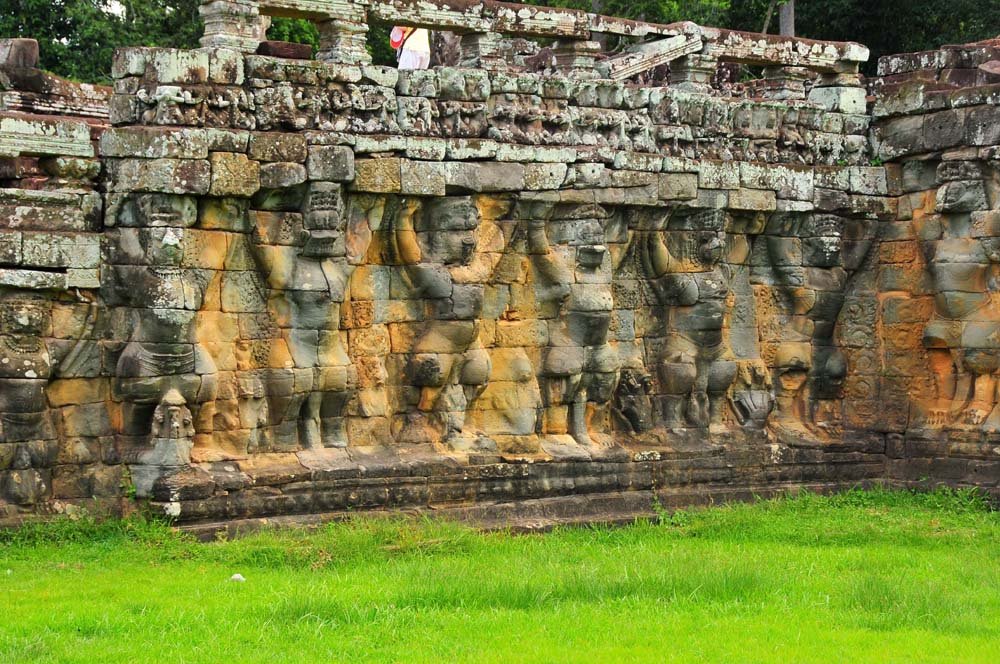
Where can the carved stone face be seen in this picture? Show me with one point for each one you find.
(825, 248)
(451, 224)
(711, 249)
(172, 419)
(166, 248)
(453, 247)
(23, 318)
(632, 400)
(827, 251)
(590, 253)
(158, 210)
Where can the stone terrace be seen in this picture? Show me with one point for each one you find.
(539, 285)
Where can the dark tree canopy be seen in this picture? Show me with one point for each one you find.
(78, 37)
(885, 26)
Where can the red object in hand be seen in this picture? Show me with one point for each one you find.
(398, 36)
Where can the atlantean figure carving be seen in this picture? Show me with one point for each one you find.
(308, 280)
(811, 264)
(961, 245)
(25, 369)
(171, 440)
(267, 283)
(690, 273)
(573, 291)
(433, 242)
(163, 292)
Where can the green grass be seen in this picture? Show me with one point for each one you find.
(877, 576)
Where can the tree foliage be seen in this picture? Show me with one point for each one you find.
(885, 26)
(78, 37)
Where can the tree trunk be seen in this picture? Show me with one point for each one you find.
(767, 16)
(787, 19)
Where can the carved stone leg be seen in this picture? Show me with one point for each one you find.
(721, 375)
(677, 379)
(578, 419)
(309, 422)
(335, 385)
(945, 372)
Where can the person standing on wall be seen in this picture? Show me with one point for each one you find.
(413, 49)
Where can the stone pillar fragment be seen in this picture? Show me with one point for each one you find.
(344, 42)
(785, 82)
(233, 24)
(693, 73)
(842, 93)
(483, 50)
(577, 58)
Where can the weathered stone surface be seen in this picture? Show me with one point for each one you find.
(169, 176)
(233, 175)
(279, 175)
(153, 143)
(19, 53)
(285, 286)
(26, 135)
(333, 163)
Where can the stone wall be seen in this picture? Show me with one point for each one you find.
(938, 120)
(279, 287)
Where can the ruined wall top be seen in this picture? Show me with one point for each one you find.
(342, 25)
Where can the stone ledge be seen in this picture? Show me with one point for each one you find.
(538, 515)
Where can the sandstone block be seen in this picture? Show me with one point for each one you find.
(32, 280)
(426, 149)
(277, 146)
(169, 65)
(423, 178)
(944, 129)
(378, 175)
(719, 175)
(50, 250)
(10, 247)
(843, 100)
(37, 136)
(463, 84)
(154, 143)
(233, 174)
(225, 66)
(485, 177)
(417, 83)
(169, 176)
(544, 176)
(278, 175)
(19, 53)
(333, 163)
(752, 199)
(678, 186)
(900, 136)
(227, 140)
(869, 180)
(983, 125)
(788, 183)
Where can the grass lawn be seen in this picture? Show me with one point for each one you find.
(878, 576)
